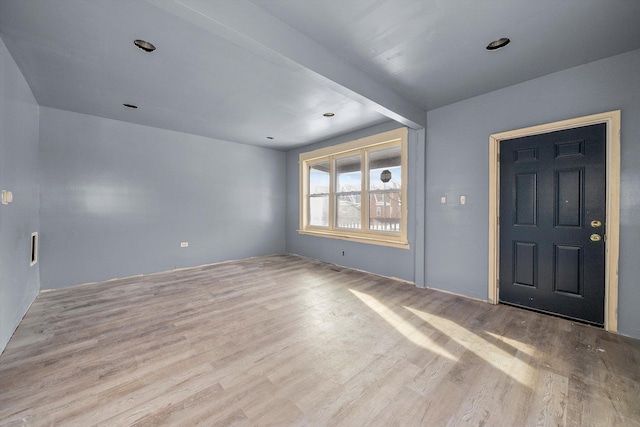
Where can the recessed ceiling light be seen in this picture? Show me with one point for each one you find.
(144, 45)
(270, 137)
(131, 106)
(328, 114)
(497, 44)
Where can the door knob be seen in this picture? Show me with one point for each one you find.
(595, 223)
(595, 237)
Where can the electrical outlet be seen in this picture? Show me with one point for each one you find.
(443, 200)
(184, 244)
(342, 253)
(463, 200)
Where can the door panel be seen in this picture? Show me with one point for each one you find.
(526, 199)
(568, 265)
(552, 186)
(568, 198)
(525, 263)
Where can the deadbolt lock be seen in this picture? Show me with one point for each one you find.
(595, 223)
(595, 237)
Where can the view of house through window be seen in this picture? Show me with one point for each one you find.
(349, 192)
(385, 188)
(319, 182)
(356, 190)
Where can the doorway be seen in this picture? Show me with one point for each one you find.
(557, 290)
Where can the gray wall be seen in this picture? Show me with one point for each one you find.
(457, 163)
(117, 199)
(377, 259)
(19, 283)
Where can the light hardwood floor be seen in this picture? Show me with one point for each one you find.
(285, 340)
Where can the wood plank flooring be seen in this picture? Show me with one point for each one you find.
(285, 340)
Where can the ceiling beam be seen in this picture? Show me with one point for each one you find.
(250, 27)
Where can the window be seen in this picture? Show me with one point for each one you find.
(319, 182)
(357, 190)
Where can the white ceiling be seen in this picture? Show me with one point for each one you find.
(242, 71)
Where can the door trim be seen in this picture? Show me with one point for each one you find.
(612, 231)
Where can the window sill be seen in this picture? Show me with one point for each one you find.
(374, 240)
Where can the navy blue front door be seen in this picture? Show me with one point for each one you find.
(552, 222)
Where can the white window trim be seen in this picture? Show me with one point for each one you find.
(390, 138)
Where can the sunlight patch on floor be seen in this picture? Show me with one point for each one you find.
(404, 327)
(523, 347)
(509, 364)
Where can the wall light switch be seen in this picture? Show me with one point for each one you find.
(443, 200)
(463, 200)
(7, 197)
(184, 244)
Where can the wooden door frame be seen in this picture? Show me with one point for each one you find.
(612, 231)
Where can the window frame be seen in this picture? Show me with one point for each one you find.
(396, 137)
